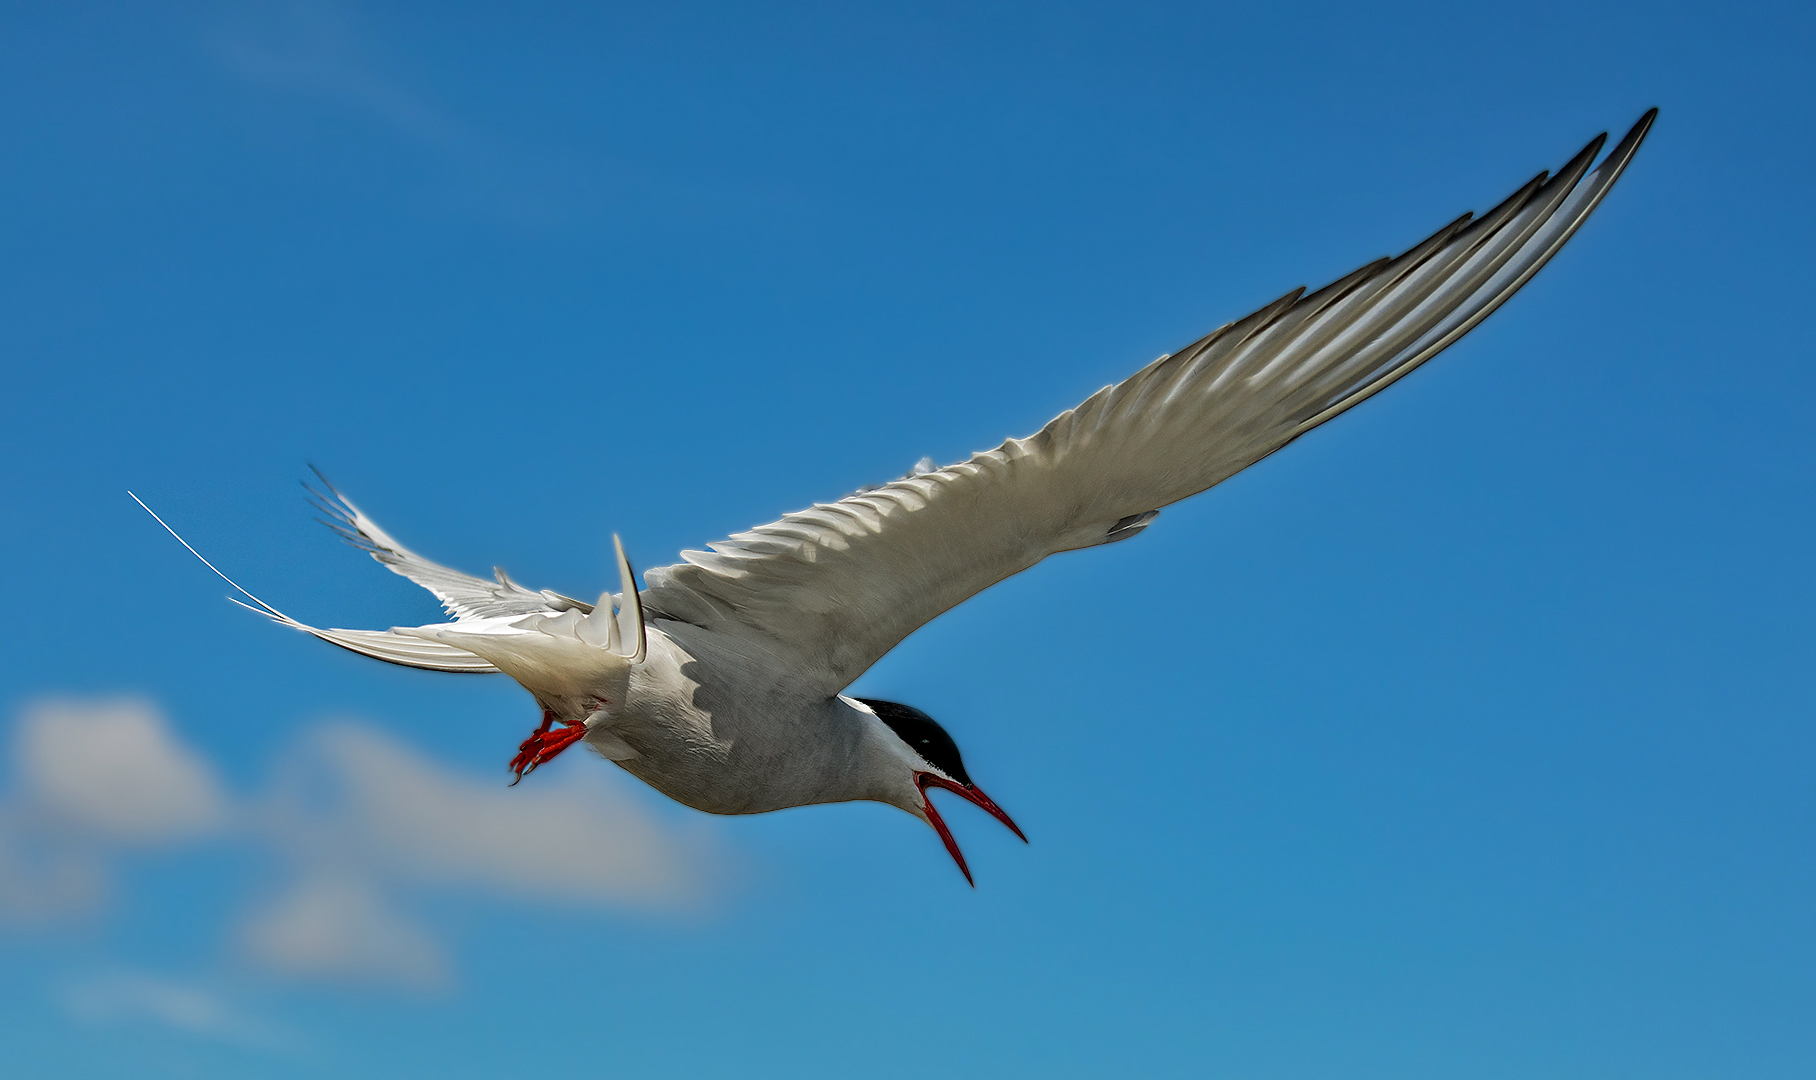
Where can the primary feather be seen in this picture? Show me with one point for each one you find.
(827, 591)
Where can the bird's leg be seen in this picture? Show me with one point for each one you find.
(543, 745)
(559, 741)
(526, 753)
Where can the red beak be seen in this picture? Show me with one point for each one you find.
(971, 794)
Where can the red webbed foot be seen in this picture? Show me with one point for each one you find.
(543, 745)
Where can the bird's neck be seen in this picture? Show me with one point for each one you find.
(878, 766)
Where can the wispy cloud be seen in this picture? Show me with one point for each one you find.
(320, 50)
(343, 928)
(362, 826)
(126, 997)
(351, 796)
(364, 820)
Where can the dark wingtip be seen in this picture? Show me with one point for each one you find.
(1641, 126)
(1634, 136)
(327, 483)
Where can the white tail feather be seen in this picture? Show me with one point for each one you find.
(378, 644)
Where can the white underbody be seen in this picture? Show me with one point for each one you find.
(698, 719)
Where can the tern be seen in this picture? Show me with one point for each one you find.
(720, 683)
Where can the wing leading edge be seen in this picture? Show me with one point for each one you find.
(830, 589)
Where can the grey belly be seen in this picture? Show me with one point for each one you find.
(723, 767)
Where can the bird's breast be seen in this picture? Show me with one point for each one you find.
(713, 737)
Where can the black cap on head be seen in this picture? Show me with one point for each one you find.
(923, 735)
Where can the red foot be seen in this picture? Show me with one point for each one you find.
(543, 745)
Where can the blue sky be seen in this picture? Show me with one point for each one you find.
(1469, 736)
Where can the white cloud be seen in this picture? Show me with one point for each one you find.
(361, 825)
(88, 776)
(340, 927)
(114, 768)
(364, 819)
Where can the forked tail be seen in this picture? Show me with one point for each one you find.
(378, 644)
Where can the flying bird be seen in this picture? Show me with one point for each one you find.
(720, 683)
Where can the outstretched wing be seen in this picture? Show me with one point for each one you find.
(828, 591)
(462, 595)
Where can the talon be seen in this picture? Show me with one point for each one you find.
(543, 745)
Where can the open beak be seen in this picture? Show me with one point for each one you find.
(971, 794)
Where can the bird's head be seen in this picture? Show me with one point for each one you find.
(935, 763)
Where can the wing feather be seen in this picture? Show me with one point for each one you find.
(830, 589)
(462, 595)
